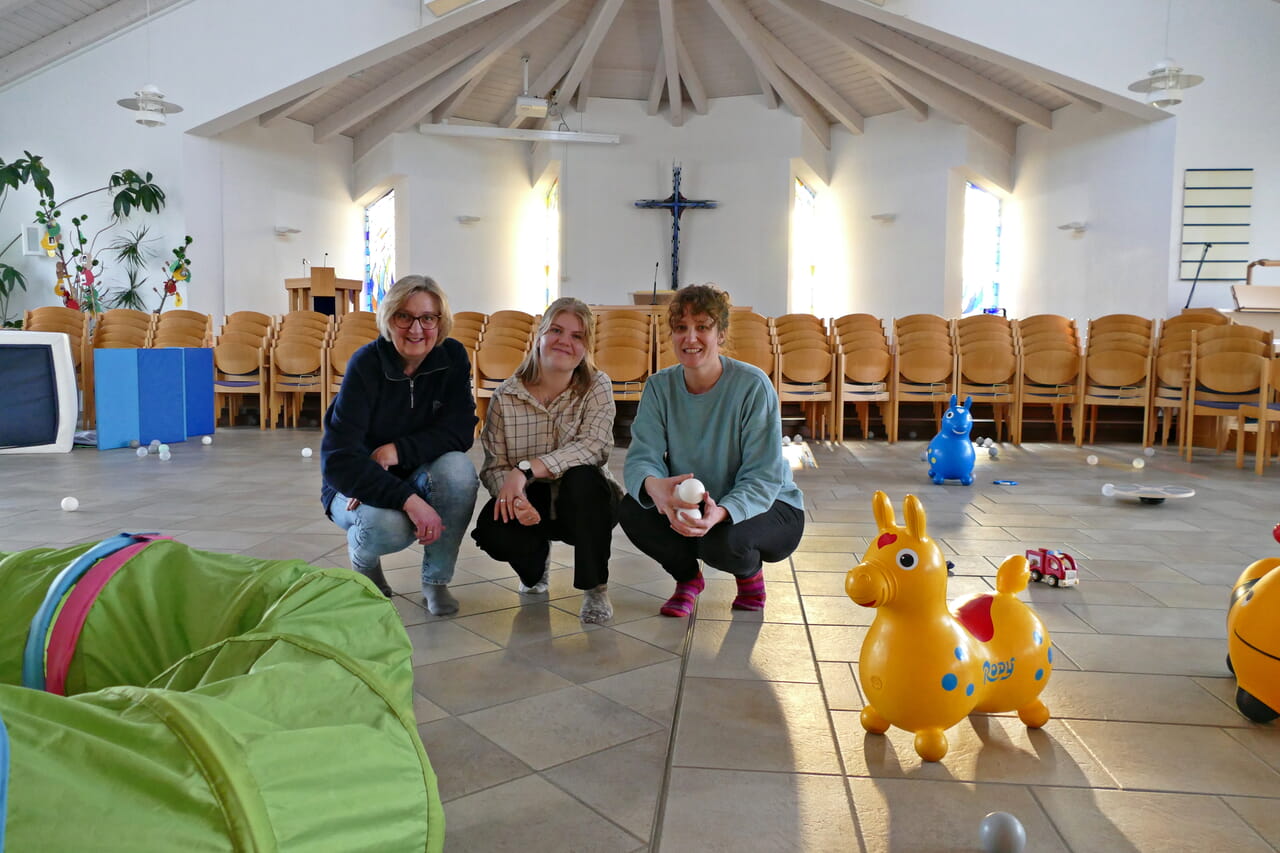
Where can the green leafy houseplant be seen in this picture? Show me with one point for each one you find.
(179, 270)
(79, 270)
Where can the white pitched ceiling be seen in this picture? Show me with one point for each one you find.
(826, 60)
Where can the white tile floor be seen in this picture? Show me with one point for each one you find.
(737, 731)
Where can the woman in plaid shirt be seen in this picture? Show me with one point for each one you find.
(546, 440)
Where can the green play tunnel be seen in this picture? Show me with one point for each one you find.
(213, 702)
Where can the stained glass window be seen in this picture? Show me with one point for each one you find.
(379, 250)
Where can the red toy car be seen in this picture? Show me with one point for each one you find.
(1054, 567)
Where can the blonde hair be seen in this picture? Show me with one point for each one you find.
(530, 370)
(400, 293)
(700, 299)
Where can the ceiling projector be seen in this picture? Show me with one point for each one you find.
(528, 106)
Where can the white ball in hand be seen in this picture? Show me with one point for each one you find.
(691, 491)
(690, 514)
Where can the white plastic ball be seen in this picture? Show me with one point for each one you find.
(142, 451)
(207, 440)
(1091, 459)
(786, 440)
(164, 448)
(306, 452)
(1001, 832)
(799, 439)
(986, 442)
(1139, 463)
(993, 452)
(166, 456)
(70, 504)
(690, 514)
(1149, 451)
(1108, 489)
(135, 443)
(155, 442)
(691, 491)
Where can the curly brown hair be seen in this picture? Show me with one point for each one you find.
(700, 299)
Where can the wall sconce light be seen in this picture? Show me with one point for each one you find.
(884, 217)
(467, 219)
(285, 231)
(1076, 228)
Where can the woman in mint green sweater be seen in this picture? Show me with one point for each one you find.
(715, 419)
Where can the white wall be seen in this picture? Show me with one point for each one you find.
(1111, 172)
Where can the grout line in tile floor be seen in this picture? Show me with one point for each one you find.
(660, 809)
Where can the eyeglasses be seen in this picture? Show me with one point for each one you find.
(401, 320)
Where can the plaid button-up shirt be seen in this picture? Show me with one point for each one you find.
(572, 430)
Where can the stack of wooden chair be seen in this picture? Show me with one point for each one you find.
(1117, 370)
(1048, 369)
(624, 351)
(75, 325)
(352, 331)
(296, 363)
(923, 366)
(867, 365)
(507, 337)
(809, 370)
(240, 355)
(987, 367)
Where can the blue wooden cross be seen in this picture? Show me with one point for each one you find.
(677, 204)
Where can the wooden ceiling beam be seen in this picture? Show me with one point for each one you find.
(818, 89)
(692, 82)
(953, 73)
(671, 57)
(598, 24)
(746, 30)
(905, 99)
(657, 84)
(952, 103)
(285, 110)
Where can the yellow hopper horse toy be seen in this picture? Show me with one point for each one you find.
(925, 667)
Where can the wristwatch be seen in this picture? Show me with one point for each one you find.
(526, 468)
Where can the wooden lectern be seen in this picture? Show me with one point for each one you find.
(323, 282)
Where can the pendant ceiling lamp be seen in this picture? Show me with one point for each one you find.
(148, 104)
(1163, 84)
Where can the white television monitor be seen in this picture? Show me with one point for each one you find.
(41, 404)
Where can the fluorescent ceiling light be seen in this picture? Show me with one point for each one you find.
(516, 133)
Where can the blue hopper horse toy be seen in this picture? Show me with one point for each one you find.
(950, 453)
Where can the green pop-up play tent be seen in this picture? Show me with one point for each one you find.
(178, 699)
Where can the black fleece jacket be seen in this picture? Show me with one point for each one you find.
(426, 415)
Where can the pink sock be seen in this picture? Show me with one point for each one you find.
(682, 600)
(750, 592)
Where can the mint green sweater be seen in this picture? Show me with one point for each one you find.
(730, 438)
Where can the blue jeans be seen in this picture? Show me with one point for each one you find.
(449, 485)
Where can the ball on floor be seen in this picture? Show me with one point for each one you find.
(1001, 832)
(208, 439)
(1139, 463)
(306, 452)
(1091, 459)
(142, 451)
(70, 504)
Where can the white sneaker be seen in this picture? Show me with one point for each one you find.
(539, 588)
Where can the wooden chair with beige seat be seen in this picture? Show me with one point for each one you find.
(1117, 370)
(923, 367)
(295, 370)
(240, 371)
(1222, 383)
(868, 363)
(75, 325)
(809, 373)
(1048, 371)
(1265, 413)
(987, 367)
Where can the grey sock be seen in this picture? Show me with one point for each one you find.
(375, 574)
(439, 600)
(596, 607)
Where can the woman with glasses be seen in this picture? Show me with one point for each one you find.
(714, 418)
(393, 455)
(546, 438)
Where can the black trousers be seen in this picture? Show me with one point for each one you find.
(739, 549)
(586, 509)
